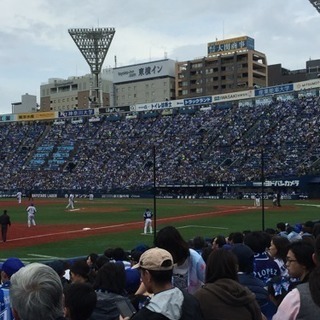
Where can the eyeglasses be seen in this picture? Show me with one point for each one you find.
(291, 260)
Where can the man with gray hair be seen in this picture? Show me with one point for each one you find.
(36, 293)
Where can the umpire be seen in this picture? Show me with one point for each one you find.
(5, 222)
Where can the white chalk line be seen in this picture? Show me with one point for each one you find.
(204, 227)
(137, 223)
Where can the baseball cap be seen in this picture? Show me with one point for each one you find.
(156, 259)
(132, 280)
(11, 266)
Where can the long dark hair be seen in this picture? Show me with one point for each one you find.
(221, 264)
(111, 277)
(170, 239)
(282, 244)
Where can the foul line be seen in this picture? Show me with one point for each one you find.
(137, 223)
(204, 227)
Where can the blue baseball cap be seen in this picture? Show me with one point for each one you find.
(11, 266)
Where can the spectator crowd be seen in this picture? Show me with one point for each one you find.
(271, 274)
(192, 146)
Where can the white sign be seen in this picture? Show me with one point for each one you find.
(144, 71)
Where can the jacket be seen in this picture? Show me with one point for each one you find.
(172, 304)
(106, 308)
(298, 304)
(196, 272)
(227, 299)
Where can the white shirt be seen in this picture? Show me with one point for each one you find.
(31, 210)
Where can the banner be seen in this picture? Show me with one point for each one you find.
(35, 116)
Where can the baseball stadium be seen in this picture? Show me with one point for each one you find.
(199, 162)
(199, 168)
(163, 189)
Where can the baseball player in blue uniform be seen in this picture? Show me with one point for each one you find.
(147, 216)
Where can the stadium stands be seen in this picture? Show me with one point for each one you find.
(213, 145)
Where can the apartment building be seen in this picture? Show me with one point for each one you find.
(230, 65)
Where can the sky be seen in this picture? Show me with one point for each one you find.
(35, 44)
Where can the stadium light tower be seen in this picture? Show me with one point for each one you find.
(316, 4)
(93, 44)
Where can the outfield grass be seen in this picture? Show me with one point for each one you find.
(115, 211)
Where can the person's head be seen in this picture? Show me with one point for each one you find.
(279, 247)
(119, 254)
(5, 212)
(281, 226)
(111, 277)
(79, 301)
(10, 267)
(156, 268)
(36, 293)
(198, 243)
(221, 264)
(109, 253)
(218, 242)
(245, 257)
(170, 239)
(299, 260)
(91, 259)
(79, 271)
(135, 256)
(257, 241)
(101, 261)
(237, 237)
(308, 227)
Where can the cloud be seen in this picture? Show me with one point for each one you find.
(36, 46)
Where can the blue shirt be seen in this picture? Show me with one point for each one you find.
(5, 308)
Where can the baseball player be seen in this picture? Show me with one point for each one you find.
(31, 210)
(71, 201)
(19, 196)
(147, 216)
(256, 200)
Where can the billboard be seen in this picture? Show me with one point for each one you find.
(143, 71)
(35, 116)
(76, 113)
(266, 91)
(230, 45)
(7, 117)
(305, 85)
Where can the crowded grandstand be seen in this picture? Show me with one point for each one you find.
(236, 143)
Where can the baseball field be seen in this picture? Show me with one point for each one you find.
(96, 225)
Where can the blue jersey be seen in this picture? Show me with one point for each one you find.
(5, 308)
(264, 267)
(147, 215)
